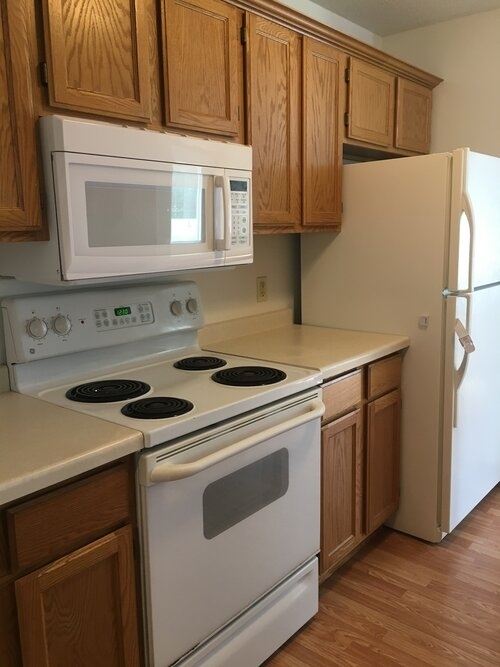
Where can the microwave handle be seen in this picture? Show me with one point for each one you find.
(222, 214)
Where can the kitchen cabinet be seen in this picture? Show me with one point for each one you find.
(203, 62)
(274, 65)
(342, 469)
(413, 116)
(323, 101)
(371, 104)
(20, 204)
(360, 443)
(382, 441)
(71, 575)
(386, 111)
(295, 96)
(96, 57)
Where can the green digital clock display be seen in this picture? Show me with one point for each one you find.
(122, 311)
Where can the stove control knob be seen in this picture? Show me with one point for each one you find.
(192, 306)
(61, 325)
(37, 328)
(176, 308)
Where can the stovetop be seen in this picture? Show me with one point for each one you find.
(156, 360)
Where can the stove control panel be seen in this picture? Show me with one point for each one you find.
(128, 315)
(47, 325)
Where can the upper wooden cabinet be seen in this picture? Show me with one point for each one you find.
(295, 99)
(371, 104)
(274, 62)
(20, 205)
(203, 59)
(386, 111)
(97, 57)
(323, 95)
(413, 116)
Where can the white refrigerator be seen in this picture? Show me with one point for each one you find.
(419, 255)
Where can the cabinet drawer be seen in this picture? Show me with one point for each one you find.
(384, 375)
(341, 394)
(60, 521)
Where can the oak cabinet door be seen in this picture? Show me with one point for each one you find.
(323, 94)
(274, 123)
(382, 467)
(81, 609)
(341, 489)
(97, 57)
(413, 116)
(20, 206)
(203, 59)
(371, 104)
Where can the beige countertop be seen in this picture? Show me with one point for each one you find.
(332, 351)
(42, 444)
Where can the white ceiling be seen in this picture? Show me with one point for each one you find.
(386, 17)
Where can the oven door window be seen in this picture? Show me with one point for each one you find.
(235, 497)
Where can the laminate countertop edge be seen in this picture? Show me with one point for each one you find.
(42, 444)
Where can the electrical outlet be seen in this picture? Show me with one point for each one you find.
(262, 288)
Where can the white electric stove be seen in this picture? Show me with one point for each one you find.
(228, 481)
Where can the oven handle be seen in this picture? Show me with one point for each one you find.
(169, 472)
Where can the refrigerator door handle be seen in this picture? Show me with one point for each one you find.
(467, 210)
(466, 342)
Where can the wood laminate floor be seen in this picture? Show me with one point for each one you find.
(406, 603)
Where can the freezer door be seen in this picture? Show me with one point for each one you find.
(471, 436)
(475, 221)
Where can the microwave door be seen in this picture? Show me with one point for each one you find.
(123, 217)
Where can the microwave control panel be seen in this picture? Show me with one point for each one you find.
(240, 211)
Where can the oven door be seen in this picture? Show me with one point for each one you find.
(225, 518)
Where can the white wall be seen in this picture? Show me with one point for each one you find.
(465, 53)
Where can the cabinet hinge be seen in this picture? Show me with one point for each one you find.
(347, 74)
(243, 34)
(346, 118)
(44, 73)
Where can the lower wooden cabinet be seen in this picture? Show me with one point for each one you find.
(360, 443)
(382, 459)
(68, 592)
(81, 609)
(341, 481)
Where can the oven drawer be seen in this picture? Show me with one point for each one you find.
(65, 519)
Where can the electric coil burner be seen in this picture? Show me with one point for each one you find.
(199, 363)
(249, 376)
(159, 407)
(107, 391)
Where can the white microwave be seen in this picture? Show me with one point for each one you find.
(124, 202)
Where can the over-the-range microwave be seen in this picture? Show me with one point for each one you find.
(126, 203)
